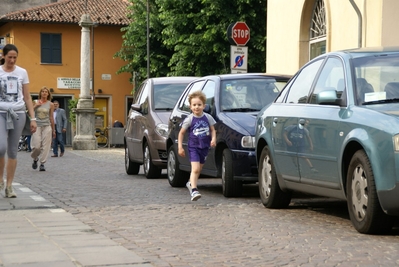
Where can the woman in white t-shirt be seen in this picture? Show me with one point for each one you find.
(14, 101)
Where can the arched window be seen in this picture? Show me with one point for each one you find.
(318, 30)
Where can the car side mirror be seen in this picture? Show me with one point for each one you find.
(328, 97)
(137, 107)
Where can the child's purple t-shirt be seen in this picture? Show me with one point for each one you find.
(199, 129)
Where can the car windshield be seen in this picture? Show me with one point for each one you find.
(248, 95)
(377, 78)
(166, 95)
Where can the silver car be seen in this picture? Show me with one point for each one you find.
(147, 125)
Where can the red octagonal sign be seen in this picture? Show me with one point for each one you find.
(240, 33)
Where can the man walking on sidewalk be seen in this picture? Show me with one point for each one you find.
(60, 121)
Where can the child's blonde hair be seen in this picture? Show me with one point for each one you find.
(197, 94)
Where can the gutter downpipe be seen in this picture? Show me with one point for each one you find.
(359, 15)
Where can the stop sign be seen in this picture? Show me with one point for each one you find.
(239, 33)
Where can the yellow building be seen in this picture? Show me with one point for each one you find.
(48, 38)
(299, 30)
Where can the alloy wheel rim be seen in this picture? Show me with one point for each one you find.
(147, 159)
(266, 176)
(359, 193)
(126, 157)
(171, 166)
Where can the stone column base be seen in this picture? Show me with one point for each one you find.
(84, 144)
(85, 138)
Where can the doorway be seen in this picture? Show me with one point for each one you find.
(63, 100)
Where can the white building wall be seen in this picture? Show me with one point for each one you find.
(283, 20)
(288, 29)
(390, 22)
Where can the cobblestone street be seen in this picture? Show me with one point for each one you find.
(161, 225)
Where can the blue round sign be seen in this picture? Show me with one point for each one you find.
(239, 61)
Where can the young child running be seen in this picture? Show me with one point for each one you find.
(202, 135)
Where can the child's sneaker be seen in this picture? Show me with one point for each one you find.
(195, 195)
(188, 185)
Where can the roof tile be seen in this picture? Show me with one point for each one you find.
(105, 12)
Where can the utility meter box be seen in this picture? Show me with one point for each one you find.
(116, 136)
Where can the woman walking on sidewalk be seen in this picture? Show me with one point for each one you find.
(41, 139)
(14, 100)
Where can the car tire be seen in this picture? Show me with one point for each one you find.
(230, 187)
(150, 170)
(364, 208)
(176, 177)
(131, 167)
(269, 189)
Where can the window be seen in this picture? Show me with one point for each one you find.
(318, 30)
(144, 94)
(300, 88)
(166, 95)
(50, 48)
(138, 94)
(331, 79)
(209, 91)
(185, 105)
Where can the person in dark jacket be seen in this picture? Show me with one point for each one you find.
(61, 123)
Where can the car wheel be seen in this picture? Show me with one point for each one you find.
(231, 188)
(150, 170)
(364, 208)
(130, 166)
(176, 177)
(269, 190)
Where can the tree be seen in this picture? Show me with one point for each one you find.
(190, 37)
(134, 47)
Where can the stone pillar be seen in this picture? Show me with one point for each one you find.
(85, 138)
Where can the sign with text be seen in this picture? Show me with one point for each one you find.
(239, 59)
(106, 77)
(68, 83)
(238, 33)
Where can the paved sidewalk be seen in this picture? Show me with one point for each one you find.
(35, 232)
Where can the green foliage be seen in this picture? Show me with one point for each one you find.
(190, 37)
(72, 104)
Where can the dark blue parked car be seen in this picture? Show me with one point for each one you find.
(233, 100)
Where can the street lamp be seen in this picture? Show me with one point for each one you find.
(148, 40)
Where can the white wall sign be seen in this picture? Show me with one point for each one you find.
(68, 83)
(106, 77)
(238, 59)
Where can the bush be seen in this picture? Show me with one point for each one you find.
(72, 104)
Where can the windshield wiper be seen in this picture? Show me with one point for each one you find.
(381, 101)
(241, 109)
(167, 109)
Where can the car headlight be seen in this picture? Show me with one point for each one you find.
(248, 141)
(396, 142)
(162, 130)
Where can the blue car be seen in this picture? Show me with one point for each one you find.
(333, 131)
(233, 100)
